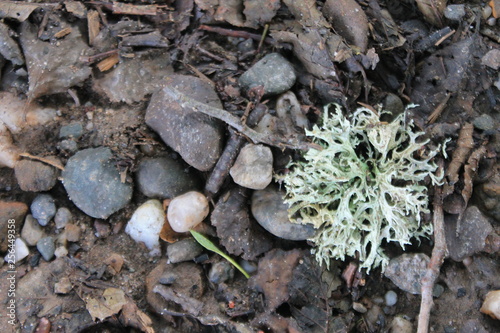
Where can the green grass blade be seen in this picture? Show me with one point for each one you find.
(207, 244)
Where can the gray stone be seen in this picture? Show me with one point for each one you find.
(437, 291)
(407, 271)
(485, 122)
(454, 12)
(134, 78)
(32, 231)
(271, 212)
(393, 103)
(221, 271)
(63, 217)
(194, 135)
(73, 130)
(391, 298)
(46, 247)
(35, 176)
(93, 183)
(273, 72)
(183, 250)
(68, 145)
(468, 237)
(253, 167)
(43, 208)
(164, 177)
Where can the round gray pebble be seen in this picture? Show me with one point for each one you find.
(271, 212)
(43, 208)
(221, 271)
(46, 247)
(437, 291)
(484, 122)
(63, 217)
(73, 130)
(68, 145)
(391, 298)
(273, 72)
(93, 183)
(164, 177)
(183, 250)
(454, 12)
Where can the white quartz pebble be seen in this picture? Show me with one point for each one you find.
(21, 249)
(491, 305)
(187, 211)
(145, 225)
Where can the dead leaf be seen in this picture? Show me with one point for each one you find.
(309, 47)
(131, 316)
(465, 143)
(470, 171)
(432, 11)
(16, 10)
(349, 20)
(93, 25)
(306, 12)
(109, 304)
(53, 69)
(237, 232)
(258, 12)
(274, 276)
(8, 46)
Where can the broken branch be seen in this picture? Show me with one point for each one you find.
(254, 136)
(437, 258)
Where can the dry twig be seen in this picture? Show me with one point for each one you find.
(437, 258)
(229, 119)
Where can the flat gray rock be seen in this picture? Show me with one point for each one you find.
(469, 237)
(164, 177)
(93, 183)
(273, 72)
(407, 271)
(194, 135)
(271, 212)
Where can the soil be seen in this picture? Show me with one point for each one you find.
(402, 58)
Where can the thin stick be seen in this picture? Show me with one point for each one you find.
(235, 33)
(42, 159)
(254, 136)
(437, 258)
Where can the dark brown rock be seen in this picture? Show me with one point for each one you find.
(195, 136)
(35, 176)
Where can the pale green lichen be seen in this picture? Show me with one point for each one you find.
(363, 188)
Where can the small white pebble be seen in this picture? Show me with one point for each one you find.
(22, 250)
(187, 211)
(401, 325)
(61, 251)
(491, 305)
(391, 298)
(358, 307)
(145, 225)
